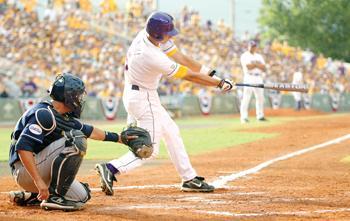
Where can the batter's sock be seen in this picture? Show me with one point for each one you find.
(112, 168)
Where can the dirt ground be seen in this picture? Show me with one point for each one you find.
(313, 185)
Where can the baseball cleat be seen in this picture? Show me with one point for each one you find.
(262, 119)
(106, 178)
(60, 203)
(22, 198)
(197, 184)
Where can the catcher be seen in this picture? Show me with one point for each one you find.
(48, 146)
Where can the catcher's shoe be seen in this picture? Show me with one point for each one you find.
(197, 184)
(106, 178)
(55, 202)
(22, 198)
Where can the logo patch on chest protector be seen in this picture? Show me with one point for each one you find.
(35, 129)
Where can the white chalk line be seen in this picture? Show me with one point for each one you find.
(220, 183)
(162, 186)
(287, 213)
(225, 179)
(222, 213)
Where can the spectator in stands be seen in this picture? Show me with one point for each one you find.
(29, 88)
(12, 88)
(71, 39)
(3, 92)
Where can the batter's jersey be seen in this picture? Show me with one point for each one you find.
(32, 134)
(147, 63)
(249, 58)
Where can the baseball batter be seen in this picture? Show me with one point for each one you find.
(151, 56)
(253, 65)
(47, 148)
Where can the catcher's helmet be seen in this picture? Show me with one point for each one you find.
(70, 90)
(160, 24)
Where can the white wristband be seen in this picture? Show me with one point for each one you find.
(204, 70)
(217, 78)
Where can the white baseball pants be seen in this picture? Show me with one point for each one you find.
(43, 160)
(144, 106)
(247, 93)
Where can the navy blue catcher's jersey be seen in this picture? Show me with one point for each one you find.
(36, 129)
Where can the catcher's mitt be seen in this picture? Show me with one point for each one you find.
(142, 145)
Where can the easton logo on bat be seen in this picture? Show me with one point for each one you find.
(278, 86)
(289, 86)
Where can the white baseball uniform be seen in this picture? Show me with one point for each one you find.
(253, 76)
(145, 65)
(297, 79)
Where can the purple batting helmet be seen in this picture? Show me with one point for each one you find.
(160, 24)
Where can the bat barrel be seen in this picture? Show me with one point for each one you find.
(287, 87)
(278, 86)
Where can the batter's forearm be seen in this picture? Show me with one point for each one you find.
(186, 61)
(203, 79)
(193, 65)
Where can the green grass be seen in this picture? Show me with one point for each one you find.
(200, 135)
(345, 159)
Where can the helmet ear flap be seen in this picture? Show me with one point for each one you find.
(158, 37)
(56, 91)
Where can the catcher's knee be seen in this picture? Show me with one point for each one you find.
(66, 165)
(79, 192)
(88, 192)
(76, 140)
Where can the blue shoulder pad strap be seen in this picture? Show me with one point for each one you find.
(45, 119)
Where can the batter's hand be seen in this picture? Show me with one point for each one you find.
(226, 85)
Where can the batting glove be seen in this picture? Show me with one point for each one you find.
(226, 85)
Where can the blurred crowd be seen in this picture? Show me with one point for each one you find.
(93, 44)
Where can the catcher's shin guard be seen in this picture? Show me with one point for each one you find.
(66, 165)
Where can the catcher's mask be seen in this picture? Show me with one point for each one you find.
(70, 90)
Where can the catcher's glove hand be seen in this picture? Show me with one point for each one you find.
(142, 145)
